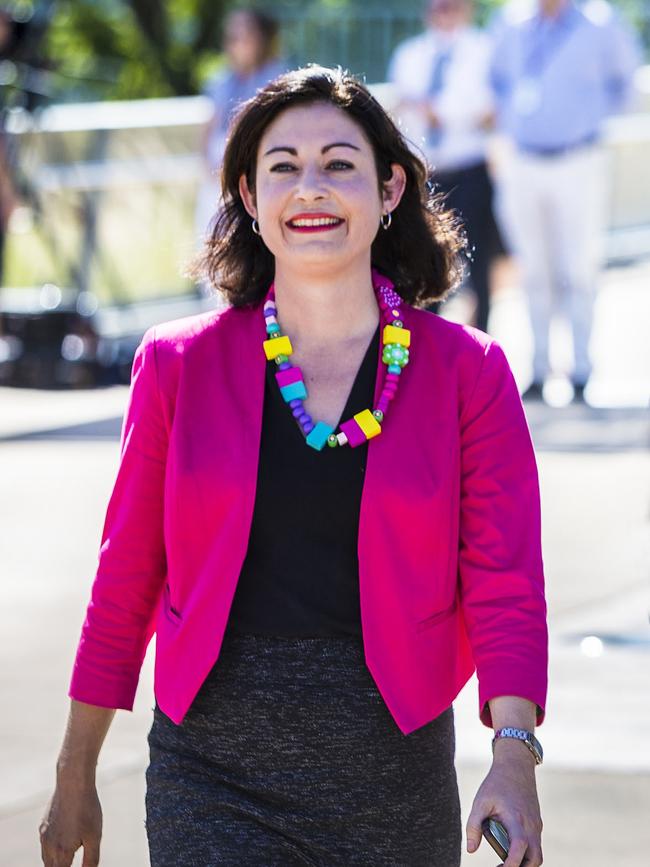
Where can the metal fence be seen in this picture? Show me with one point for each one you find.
(362, 38)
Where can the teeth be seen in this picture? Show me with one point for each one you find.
(320, 221)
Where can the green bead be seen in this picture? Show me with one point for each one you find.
(332, 441)
(275, 334)
(378, 414)
(397, 323)
(279, 359)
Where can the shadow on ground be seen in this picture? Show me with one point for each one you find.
(581, 428)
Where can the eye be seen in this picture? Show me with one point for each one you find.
(282, 167)
(339, 164)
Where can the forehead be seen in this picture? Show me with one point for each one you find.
(314, 125)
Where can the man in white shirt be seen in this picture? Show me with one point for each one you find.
(446, 110)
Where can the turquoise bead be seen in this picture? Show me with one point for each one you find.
(394, 368)
(319, 435)
(294, 391)
(272, 328)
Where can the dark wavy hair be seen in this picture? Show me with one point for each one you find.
(420, 253)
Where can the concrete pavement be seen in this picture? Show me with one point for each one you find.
(58, 457)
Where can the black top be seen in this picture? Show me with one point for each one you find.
(300, 577)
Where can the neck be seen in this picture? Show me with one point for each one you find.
(325, 309)
(553, 8)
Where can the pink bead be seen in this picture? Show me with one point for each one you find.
(289, 376)
(353, 432)
(382, 405)
(392, 377)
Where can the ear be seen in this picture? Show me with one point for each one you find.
(247, 197)
(393, 188)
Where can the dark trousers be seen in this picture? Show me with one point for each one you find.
(469, 193)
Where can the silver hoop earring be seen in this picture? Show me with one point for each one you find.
(256, 227)
(386, 220)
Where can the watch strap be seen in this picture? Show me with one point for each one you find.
(521, 735)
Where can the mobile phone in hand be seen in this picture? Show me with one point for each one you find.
(497, 837)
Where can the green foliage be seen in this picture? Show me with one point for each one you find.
(123, 49)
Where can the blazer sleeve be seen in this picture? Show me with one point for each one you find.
(132, 566)
(500, 561)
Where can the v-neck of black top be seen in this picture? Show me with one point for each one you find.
(300, 577)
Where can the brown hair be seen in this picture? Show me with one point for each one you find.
(420, 252)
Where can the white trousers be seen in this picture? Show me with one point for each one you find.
(555, 207)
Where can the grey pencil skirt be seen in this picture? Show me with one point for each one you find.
(289, 756)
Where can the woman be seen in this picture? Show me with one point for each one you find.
(250, 46)
(323, 572)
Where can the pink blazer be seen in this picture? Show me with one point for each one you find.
(450, 566)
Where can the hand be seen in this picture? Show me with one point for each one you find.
(73, 818)
(509, 793)
(487, 121)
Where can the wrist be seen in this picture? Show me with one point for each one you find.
(509, 751)
(523, 737)
(75, 771)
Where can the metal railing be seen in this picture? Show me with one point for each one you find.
(362, 38)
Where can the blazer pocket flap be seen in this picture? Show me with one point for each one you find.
(436, 617)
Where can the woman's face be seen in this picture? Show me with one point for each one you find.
(317, 196)
(243, 42)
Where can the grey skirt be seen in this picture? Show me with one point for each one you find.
(289, 756)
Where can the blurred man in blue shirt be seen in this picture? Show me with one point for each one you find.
(446, 107)
(558, 71)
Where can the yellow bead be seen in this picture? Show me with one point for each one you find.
(278, 346)
(368, 423)
(397, 335)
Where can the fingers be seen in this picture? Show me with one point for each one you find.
(91, 855)
(473, 829)
(523, 852)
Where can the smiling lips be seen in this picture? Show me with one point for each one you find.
(313, 223)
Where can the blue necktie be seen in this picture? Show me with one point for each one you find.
(436, 84)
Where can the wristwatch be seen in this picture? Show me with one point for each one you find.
(521, 735)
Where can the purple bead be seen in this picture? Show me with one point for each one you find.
(308, 428)
(304, 419)
(285, 365)
(295, 402)
(298, 411)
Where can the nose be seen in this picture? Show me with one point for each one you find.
(311, 184)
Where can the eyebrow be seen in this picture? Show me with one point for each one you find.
(294, 152)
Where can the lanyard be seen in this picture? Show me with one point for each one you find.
(547, 38)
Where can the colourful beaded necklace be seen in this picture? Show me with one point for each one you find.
(366, 424)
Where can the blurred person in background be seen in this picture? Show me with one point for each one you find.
(558, 71)
(251, 48)
(8, 197)
(447, 108)
(271, 522)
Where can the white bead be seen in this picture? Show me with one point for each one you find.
(341, 437)
(271, 319)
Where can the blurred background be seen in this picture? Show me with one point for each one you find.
(113, 119)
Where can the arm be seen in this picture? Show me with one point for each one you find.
(120, 618)
(73, 817)
(622, 57)
(509, 791)
(501, 578)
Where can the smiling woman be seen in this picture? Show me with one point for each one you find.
(317, 126)
(327, 509)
